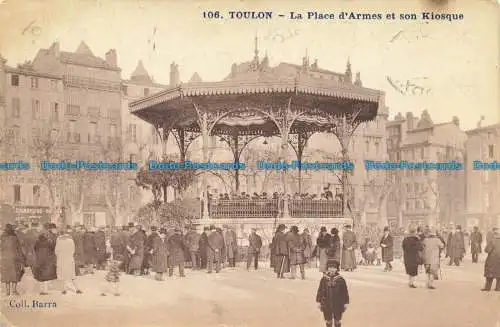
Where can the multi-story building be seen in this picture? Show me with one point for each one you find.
(483, 186)
(63, 106)
(426, 196)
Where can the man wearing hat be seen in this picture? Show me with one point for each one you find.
(349, 244)
(254, 246)
(45, 268)
(231, 242)
(280, 244)
(323, 243)
(135, 249)
(148, 247)
(159, 253)
(296, 246)
(203, 247)
(432, 245)
(214, 250)
(492, 263)
(177, 248)
(28, 244)
(192, 240)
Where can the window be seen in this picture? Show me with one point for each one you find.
(486, 176)
(146, 92)
(94, 112)
(367, 147)
(377, 148)
(133, 158)
(73, 110)
(408, 188)
(14, 80)
(132, 132)
(491, 151)
(16, 108)
(34, 83)
(53, 84)
(416, 187)
(36, 194)
(35, 109)
(73, 136)
(93, 138)
(17, 193)
(131, 193)
(54, 111)
(422, 153)
(35, 135)
(487, 201)
(89, 219)
(124, 89)
(112, 130)
(16, 134)
(408, 205)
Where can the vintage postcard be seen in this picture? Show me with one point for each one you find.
(249, 163)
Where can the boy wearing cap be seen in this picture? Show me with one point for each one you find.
(332, 296)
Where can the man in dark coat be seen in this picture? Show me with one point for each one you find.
(203, 247)
(412, 255)
(306, 235)
(476, 241)
(254, 246)
(46, 260)
(455, 249)
(387, 245)
(148, 247)
(28, 245)
(12, 261)
(492, 263)
(79, 249)
(90, 249)
(135, 248)
(159, 253)
(231, 241)
(176, 248)
(100, 243)
(192, 240)
(349, 244)
(333, 295)
(214, 250)
(296, 246)
(281, 253)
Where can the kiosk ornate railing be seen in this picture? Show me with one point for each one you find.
(263, 208)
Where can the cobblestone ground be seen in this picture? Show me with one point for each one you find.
(238, 298)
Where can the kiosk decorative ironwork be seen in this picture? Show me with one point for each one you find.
(256, 100)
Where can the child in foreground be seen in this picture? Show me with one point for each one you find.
(333, 296)
(113, 276)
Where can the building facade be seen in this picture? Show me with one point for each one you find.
(483, 186)
(63, 106)
(426, 197)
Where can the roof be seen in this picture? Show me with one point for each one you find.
(31, 72)
(140, 74)
(83, 56)
(488, 128)
(195, 78)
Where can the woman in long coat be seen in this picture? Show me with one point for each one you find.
(432, 257)
(12, 259)
(412, 248)
(177, 249)
(159, 254)
(349, 244)
(492, 264)
(323, 243)
(65, 253)
(296, 246)
(387, 245)
(46, 260)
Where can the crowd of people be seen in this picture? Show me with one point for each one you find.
(65, 253)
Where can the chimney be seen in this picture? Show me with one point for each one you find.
(314, 66)
(111, 58)
(233, 70)
(456, 121)
(410, 121)
(174, 74)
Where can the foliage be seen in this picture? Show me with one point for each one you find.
(157, 181)
(178, 213)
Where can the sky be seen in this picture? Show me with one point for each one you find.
(455, 63)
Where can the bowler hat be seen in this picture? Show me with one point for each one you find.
(163, 231)
(154, 228)
(323, 229)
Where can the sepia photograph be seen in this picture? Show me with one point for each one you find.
(249, 163)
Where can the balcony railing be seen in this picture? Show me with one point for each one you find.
(262, 208)
(92, 83)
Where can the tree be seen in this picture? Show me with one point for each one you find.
(158, 181)
(178, 213)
